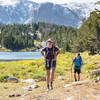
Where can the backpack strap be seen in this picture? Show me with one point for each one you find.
(47, 51)
(54, 51)
(75, 59)
(80, 60)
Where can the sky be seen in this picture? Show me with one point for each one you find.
(63, 1)
(53, 1)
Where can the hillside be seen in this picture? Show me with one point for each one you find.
(27, 11)
(30, 37)
(35, 69)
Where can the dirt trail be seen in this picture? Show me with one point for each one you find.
(89, 91)
(83, 92)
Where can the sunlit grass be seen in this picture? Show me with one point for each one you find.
(35, 68)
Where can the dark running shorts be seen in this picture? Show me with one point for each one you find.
(77, 70)
(49, 64)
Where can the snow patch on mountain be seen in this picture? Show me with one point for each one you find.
(83, 8)
(8, 2)
(28, 11)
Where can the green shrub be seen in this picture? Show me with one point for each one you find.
(3, 78)
(90, 66)
(16, 75)
(5, 87)
(94, 76)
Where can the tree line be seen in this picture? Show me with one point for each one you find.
(87, 37)
(21, 36)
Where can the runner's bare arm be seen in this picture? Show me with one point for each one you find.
(58, 52)
(42, 53)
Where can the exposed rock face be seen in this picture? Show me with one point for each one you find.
(26, 11)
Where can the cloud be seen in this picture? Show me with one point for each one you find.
(63, 1)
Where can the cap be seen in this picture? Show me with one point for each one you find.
(78, 54)
(49, 40)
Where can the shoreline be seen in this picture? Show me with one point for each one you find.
(21, 50)
(19, 56)
(18, 60)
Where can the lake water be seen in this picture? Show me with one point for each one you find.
(10, 56)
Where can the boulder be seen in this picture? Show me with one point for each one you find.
(96, 80)
(12, 79)
(95, 72)
(28, 81)
(61, 77)
(17, 95)
(30, 87)
(12, 95)
(76, 83)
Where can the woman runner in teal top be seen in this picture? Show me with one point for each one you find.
(77, 66)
